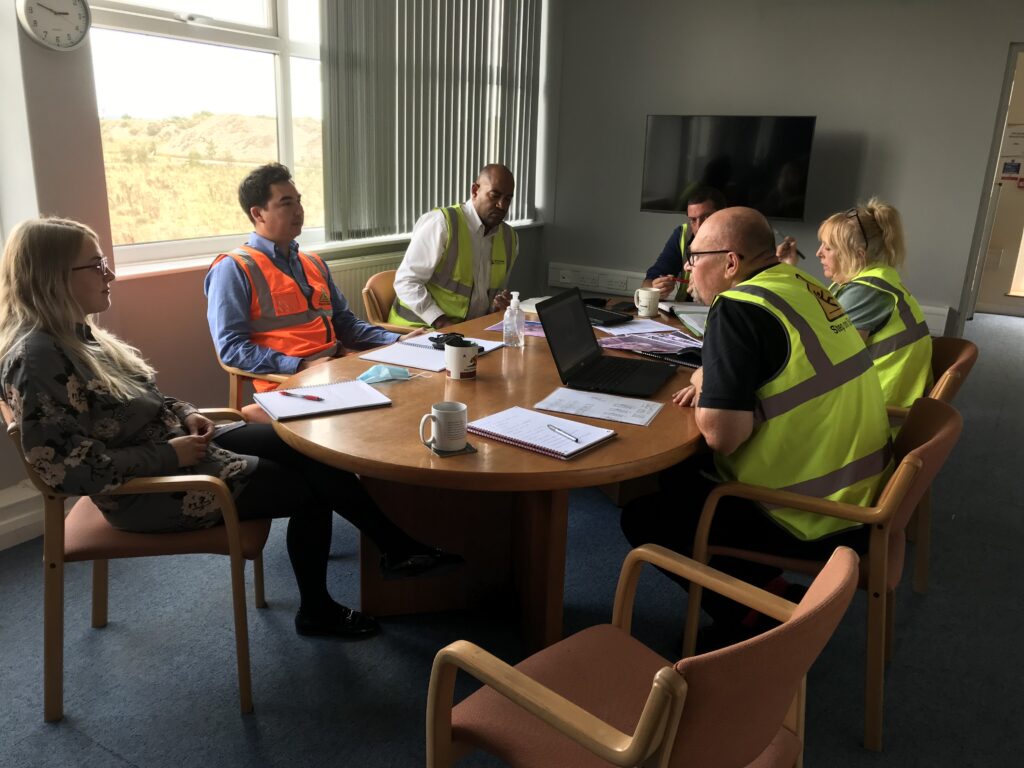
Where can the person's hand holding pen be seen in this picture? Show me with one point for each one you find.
(787, 252)
(689, 396)
(666, 285)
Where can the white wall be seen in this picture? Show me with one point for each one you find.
(906, 95)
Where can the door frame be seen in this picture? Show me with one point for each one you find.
(987, 204)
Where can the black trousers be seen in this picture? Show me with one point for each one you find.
(287, 483)
(670, 517)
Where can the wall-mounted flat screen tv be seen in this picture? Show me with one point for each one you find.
(759, 162)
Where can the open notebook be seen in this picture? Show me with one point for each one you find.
(540, 432)
(299, 402)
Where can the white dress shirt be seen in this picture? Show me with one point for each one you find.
(425, 250)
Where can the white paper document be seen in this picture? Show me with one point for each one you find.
(628, 410)
(636, 325)
(419, 352)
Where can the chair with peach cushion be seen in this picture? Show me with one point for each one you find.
(924, 442)
(952, 360)
(378, 296)
(600, 697)
(84, 534)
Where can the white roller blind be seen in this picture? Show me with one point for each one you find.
(418, 96)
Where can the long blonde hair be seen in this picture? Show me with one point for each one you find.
(35, 295)
(879, 223)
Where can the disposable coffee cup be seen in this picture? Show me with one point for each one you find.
(448, 426)
(460, 359)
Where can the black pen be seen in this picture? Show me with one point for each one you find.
(563, 433)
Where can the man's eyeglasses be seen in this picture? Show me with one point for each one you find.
(853, 213)
(691, 259)
(102, 266)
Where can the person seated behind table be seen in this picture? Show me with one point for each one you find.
(860, 251)
(700, 204)
(273, 308)
(459, 258)
(92, 418)
(764, 420)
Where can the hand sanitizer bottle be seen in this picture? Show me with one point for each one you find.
(514, 324)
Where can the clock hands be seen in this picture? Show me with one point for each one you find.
(55, 13)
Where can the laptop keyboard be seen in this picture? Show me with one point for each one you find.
(612, 371)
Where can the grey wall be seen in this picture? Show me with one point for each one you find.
(906, 94)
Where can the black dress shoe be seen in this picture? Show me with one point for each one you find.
(338, 622)
(432, 561)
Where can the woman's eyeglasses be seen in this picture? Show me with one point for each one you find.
(853, 213)
(102, 266)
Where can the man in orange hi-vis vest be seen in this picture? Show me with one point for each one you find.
(271, 307)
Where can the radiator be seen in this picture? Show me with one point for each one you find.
(350, 275)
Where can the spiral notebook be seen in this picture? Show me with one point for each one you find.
(300, 402)
(540, 432)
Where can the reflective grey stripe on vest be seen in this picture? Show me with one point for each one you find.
(828, 376)
(404, 312)
(443, 276)
(859, 469)
(268, 320)
(912, 329)
(506, 235)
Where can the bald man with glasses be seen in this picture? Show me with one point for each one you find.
(787, 398)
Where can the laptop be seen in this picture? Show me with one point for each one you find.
(580, 360)
(601, 316)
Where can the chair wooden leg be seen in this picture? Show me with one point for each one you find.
(241, 634)
(874, 683)
(100, 588)
(890, 623)
(53, 611)
(923, 542)
(257, 581)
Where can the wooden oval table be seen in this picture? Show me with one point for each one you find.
(504, 508)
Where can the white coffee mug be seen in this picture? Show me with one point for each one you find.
(460, 359)
(646, 300)
(448, 432)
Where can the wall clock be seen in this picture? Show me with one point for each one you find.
(61, 25)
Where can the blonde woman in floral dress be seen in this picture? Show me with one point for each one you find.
(92, 417)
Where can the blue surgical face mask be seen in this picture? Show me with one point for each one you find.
(379, 373)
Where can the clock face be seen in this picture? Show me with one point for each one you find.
(58, 24)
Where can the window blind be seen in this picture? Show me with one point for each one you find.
(418, 96)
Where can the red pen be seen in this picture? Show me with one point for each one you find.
(678, 279)
(304, 397)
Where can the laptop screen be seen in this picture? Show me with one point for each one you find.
(567, 328)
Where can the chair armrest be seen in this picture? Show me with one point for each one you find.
(696, 572)
(222, 414)
(896, 414)
(179, 483)
(592, 733)
(278, 377)
(789, 499)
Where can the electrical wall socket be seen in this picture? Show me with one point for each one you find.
(595, 280)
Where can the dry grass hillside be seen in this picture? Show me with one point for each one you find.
(177, 178)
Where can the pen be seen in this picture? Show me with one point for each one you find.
(563, 433)
(315, 398)
(679, 279)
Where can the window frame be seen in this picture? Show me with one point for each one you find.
(273, 39)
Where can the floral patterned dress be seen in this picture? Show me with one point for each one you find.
(84, 441)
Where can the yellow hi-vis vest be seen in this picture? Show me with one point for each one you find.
(820, 426)
(902, 349)
(451, 285)
(681, 291)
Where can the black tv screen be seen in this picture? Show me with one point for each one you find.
(759, 162)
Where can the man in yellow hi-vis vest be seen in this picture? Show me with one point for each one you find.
(459, 258)
(787, 398)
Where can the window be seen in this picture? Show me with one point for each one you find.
(421, 95)
(188, 104)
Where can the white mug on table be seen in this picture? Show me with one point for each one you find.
(448, 431)
(646, 300)
(460, 359)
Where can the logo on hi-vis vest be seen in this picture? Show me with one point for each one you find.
(828, 303)
(324, 299)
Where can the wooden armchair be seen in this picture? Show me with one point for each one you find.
(378, 296)
(600, 697)
(86, 535)
(922, 446)
(952, 360)
(237, 379)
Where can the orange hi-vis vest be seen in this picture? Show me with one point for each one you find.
(280, 315)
